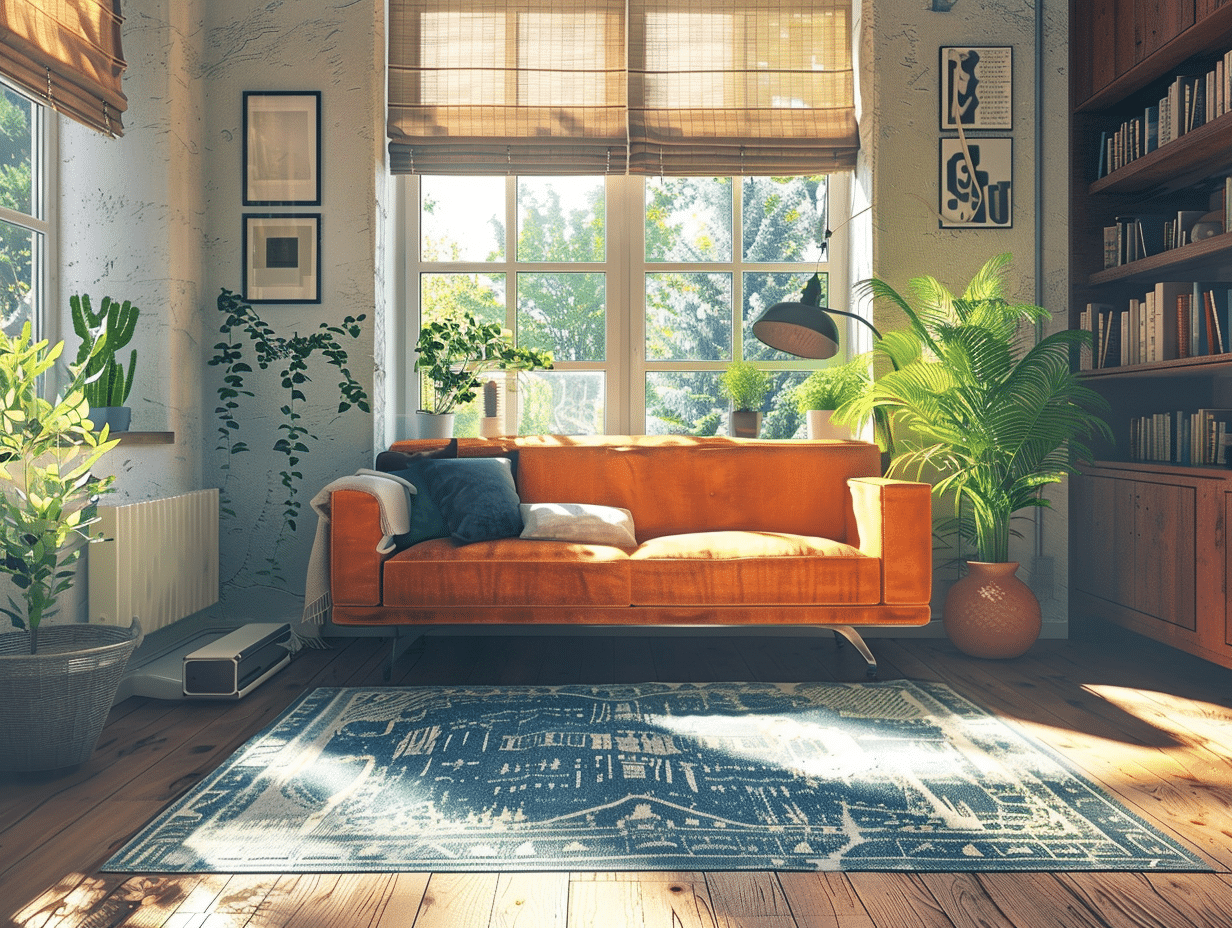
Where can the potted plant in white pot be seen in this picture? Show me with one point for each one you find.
(455, 351)
(746, 386)
(824, 391)
(989, 416)
(56, 683)
(107, 385)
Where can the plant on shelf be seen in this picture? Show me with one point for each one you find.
(825, 390)
(988, 413)
(745, 385)
(291, 357)
(102, 335)
(48, 497)
(456, 350)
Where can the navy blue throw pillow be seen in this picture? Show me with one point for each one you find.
(426, 520)
(476, 496)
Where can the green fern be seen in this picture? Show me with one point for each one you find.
(985, 414)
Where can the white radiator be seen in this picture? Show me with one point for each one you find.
(159, 561)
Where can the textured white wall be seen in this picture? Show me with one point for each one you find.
(898, 49)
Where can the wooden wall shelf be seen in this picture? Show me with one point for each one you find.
(145, 438)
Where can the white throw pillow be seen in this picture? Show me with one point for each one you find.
(585, 523)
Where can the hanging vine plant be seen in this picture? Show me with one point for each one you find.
(291, 355)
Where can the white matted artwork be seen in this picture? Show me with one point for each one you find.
(976, 183)
(282, 258)
(977, 87)
(282, 148)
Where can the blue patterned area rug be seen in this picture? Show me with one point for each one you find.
(654, 776)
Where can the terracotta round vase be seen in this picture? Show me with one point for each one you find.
(991, 613)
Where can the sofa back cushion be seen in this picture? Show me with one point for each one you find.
(674, 484)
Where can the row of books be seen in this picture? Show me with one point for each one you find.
(1198, 438)
(1191, 100)
(1142, 234)
(1175, 319)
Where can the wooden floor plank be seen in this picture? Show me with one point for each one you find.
(524, 900)
(896, 899)
(746, 893)
(1038, 900)
(1201, 898)
(1125, 899)
(676, 903)
(458, 900)
(603, 904)
(965, 901)
(404, 900)
(824, 900)
(64, 904)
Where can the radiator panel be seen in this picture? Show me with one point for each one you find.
(159, 561)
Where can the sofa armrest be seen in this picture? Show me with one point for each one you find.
(892, 520)
(354, 562)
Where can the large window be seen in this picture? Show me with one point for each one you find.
(25, 229)
(643, 289)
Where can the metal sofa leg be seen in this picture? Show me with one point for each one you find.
(857, 642)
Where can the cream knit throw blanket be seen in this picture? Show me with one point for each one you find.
(392, 494)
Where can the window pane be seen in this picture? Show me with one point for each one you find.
(784, 218)
(17, 153)
(564, 313)
(462, 218)
(17, 297)
(561, 403)
(689, 219)
(685, 403)
(761, 291)
(561, 219)
(482, 294)
(688, 317)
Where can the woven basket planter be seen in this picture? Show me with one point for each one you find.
(53, 704)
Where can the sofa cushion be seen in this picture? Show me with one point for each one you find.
(477, 497)
(740, 568)
(426, 520)
(507, 572)
(587, 523)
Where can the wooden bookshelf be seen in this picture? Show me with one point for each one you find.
(1148, 547)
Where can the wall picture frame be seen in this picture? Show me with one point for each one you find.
(282, 148)
(976, 183)
(976, 85)
(282, 257)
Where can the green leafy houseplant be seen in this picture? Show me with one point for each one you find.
(291, 357)
(102, 335)
(48, 496)
(745, 385)
(990, 416)
(831, 387)
(456, 350)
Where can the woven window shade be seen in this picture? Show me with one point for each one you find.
(67, 54)
(609, 86)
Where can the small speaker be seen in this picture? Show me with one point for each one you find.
(235, 664)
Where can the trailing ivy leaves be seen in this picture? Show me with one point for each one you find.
(291, 355)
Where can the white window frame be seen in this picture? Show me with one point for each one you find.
(45, 137)
(625, 364)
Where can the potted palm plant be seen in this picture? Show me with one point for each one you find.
(455, 351)
(746, 386)
(989, 416)
(824, 391)
(103, 334)
(56, 683)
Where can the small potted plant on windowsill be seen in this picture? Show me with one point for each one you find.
(825, 390)
(746, 386)
(455, 352)
(107, 386)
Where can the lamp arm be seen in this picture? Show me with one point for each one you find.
(843, 312)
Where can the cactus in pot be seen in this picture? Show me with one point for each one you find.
(107, 383)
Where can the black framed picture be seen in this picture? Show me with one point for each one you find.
(977, 87)
(282, 148)
(282, 257)
(976, 179)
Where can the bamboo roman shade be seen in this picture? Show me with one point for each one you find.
(621, 86)
(67, 54)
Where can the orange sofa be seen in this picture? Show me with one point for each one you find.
(728, 531)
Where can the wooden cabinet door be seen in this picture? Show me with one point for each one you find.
(1207, 7)
(1163, 563)
(1103, 43)
(1157, 22)
(1102, 537)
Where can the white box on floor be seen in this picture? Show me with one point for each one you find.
(237, 663)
